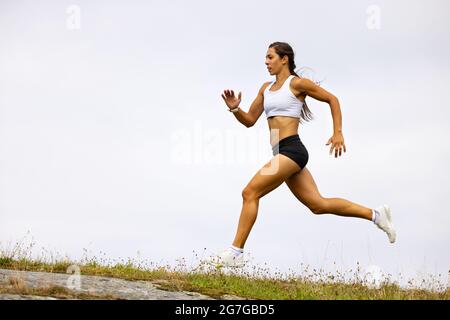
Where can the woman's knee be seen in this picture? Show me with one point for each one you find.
(318, 206)
(249, 193)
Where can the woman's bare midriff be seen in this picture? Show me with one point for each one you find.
(281, 127)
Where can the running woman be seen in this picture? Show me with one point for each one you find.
(283, 102)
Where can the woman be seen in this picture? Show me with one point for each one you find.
(283, 102)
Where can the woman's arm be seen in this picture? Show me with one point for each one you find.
(319, 93)
(256, 108)
(242, 117)
(249, 118)
(233, 102)
(313, 90)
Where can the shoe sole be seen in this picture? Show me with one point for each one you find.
(387, 209)
(388, 212)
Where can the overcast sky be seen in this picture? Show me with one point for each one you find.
(114, 136)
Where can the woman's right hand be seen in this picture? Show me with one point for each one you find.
(230, 99)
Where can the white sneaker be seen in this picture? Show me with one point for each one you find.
(385, 222)
(228, 258)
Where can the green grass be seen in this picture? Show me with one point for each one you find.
(216, 283)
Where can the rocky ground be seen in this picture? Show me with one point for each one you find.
(20, 285)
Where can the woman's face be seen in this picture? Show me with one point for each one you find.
(273, 62)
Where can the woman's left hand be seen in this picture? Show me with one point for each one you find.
(337, 143)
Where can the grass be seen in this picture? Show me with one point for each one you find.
(216, 283)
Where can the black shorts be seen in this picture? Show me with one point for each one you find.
(293, 148)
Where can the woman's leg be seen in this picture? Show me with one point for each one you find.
(305, 189)
(269, 177)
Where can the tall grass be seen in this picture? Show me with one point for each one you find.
(252, 282)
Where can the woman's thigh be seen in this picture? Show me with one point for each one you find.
(270, 176)
(303, 186)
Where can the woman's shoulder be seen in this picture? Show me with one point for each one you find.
(299, 81)
(296, 79)
(264, 86)
(297, 85)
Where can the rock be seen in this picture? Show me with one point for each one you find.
(7, 296)
(91, 285)
(231, 297)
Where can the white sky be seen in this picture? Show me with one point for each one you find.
(114, 136)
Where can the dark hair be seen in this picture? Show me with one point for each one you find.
(284, 49)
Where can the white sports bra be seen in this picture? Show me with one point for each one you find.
(282, 102)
